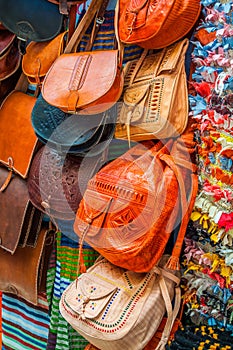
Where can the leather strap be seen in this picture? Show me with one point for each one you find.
(99, 19)
(9, 176)
(83, 26)
(72, 21)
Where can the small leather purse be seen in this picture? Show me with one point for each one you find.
(40, 56)
(24, 272)
(155, 95)
(71, 82)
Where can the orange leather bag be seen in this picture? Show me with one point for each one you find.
(18, 140)
(132, 205)
(156, 24)
(40, 56)
(72, 81)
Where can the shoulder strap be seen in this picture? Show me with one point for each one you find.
(83, 25)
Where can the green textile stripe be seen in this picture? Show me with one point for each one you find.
(66, 272)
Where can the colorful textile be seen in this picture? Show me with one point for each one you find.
(25, 326)
(61, 334)
(105, 39)
(208, 258)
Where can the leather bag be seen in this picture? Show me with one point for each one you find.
(37, 20)
(116, 309)
(18, 140)
(132, 205)
(155, 25)
(71, 82)
(69, 133)
(155, 96)
(40, 56)
(10, 57)
(56, 182)
(24, 273)
(20, 220)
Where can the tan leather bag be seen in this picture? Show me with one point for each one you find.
(24, 272)
(40, 56)
(72, 81)
(18, 140)
(117, 309)
(155, 97)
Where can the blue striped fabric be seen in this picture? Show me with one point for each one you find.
(25, 326)
(106, 37)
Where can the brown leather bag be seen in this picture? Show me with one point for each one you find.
(155, 96)
(56, 182)
(24, 272)
(40, 56)
(156, 24)
(18, 140)
(132, 205)
(71, 82)
(20, 220)
(10, 57)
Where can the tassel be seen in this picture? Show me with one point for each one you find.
(173, 263)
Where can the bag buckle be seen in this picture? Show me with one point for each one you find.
(100, 20)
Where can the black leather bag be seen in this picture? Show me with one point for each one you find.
(70, 133)
(37, 20)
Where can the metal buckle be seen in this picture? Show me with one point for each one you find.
(100, 20)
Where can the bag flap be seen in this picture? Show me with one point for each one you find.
(6, 40)
(14, 204)
(91, 295)
(77, 87)
(173, 56)
(18, 140)
(147, 15)
(21, 272)
(135, 94)
(40, 56)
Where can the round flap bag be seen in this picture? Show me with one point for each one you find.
(56, 182)
(37, 20)
(71, 133)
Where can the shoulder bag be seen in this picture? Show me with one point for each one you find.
(71, 82)
(37, 20)
(18, 140)
(24, 272)
(156, 24)
(20, 220)
(116, 309)
(40, 56)
(155, 95)
(56, 182)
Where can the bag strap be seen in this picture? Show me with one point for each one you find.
(176, 163)
(99, 19)
(83, 25)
